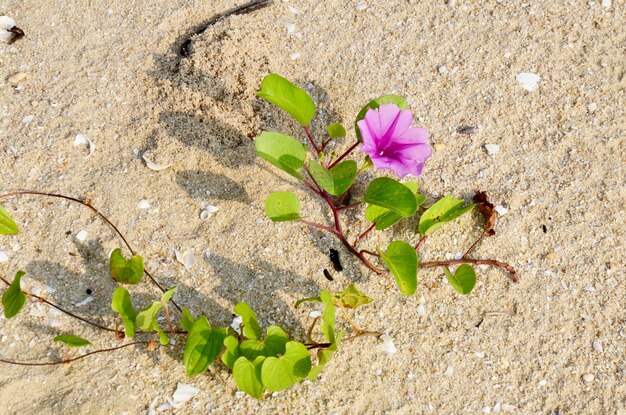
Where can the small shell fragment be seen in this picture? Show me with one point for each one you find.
(3, 257)
(154, 166)
(315, 314)
(388, 346)
(492, 148)
(186, 258)
(6, 23)
(588, 377)
(184, 392)
(597, 346)
(143, 204)
(28, 119)
(528, 80)
(82, 140)
(501, 210)
(236, 324)
(208, 211)
(82, 235)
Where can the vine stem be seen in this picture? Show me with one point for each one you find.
(344, 155)
(347, 339)
(101, 215)
(308, 134)
(492, 262)
(364, 234)
(420, 243)
(73, 359)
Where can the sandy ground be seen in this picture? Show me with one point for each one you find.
(109, 70)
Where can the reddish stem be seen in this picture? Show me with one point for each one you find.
(344, 155)
(308, 134)
(420, 243)
(325, 143)
(471, 248)
(492, 262)
(364, 234)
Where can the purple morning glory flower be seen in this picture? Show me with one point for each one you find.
(392, 143)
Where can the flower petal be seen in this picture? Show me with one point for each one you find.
(369, 142)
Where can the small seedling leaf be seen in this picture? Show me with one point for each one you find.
(283, 151)
(148, 315)
(442, 212)
(187, 320)
(463, 280)
(328, 316)
(126, 271)
(351, 297)
(282, 206)
(72, 341)
(202, 347)
(393, 195)
(14, 298)
(7, 225)
(167, 295)
(247, 376)
(336, 180)
(251, 328)
(308, 299)
(122, 305)
(278, 373)
(375, 104)
(336, 130)
(285, 95)
(401, 259)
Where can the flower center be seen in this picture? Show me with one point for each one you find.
(381, 153)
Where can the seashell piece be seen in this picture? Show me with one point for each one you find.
(82, 235)
(186, 258)
(154, 166)
(82, 140)
(184, 392)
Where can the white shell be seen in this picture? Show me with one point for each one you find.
(3, 256)
(184, 392)
(290, 28)
(501, 210)
(6, 23)
(143, 204)
(315, 314)
(154, 166)
(186, 258)
(236, 324)
(492, 148)
(597, 346)
(82, 140)
(82, 235)
(528, 80)
(389, 348)
(208, 211)
(28, 119)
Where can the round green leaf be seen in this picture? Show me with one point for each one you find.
(202, 347)
(391, 194)
(121, 304)
(336, 180)
(7, 225)
(445, 210)
(14, 298)
(463, 280)
(251, 328)
(375, 104)
(282, 206)
(247, 376)
(72, 341)
(401, 259)
(279, 373)
(336, 130)
(126, 271)
(385, 218)
(285, 95)
(283, 151)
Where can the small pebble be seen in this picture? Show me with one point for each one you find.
(508, 408)
(28, 119)
(17, 78)
(239, 394)
(361, 6)
(597, 346)
(82, 235)
(294, 56)
(543, 382)
(528, 80)
(486, 410)
(501, 210)
(449, 371)
(143, 204)
(589, 288)
(315, 314)
(496, 408)
(442, 69)
(492, 148)
(479, 355)
(3, 257)
(592, 107)
(588, 377)
(507, 55)
(290, 28)
(606, 3)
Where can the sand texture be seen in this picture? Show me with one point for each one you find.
(552, 344)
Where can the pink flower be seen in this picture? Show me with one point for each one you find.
(392, 143)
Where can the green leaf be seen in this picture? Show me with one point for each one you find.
(308, 299)
(463, 280)
(351, 297)
(126, 271)
(282, 206)
(231, 354)
(328, 316)
(385, 218)
(278, 373)
(283, 151)
(336, 130)
(392, 195)
(285, 95)
(147, 316)
(247, 376)
(187, 320)
(72, 341)
(167, 295)
(323, 356)
(202, 347)
(14, 298)
(7, 225)
(445, 210)
(251, 328)
(336, 180)
(401, 259)
(375, 104)
(273, 344)
(122, 305)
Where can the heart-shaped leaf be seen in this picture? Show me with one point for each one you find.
(328, 316)
(351, 297)
(385, 218)
(122, 305)
(7, 225)
(283, 151)
(187, 320)
(463, 280)
(72, 341)
(251, 328)
(375, 104)
(282, 206)
(167, 295)
(202, 347)
(285, 95)
(392, 195)
(231, 354)
(148, 315)
(247, 376)
(14, 298)
(126, 271)
(401, 259)
(336, 130)
(336, 180)
(445, 210)
(279, 373)
(273, 344)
